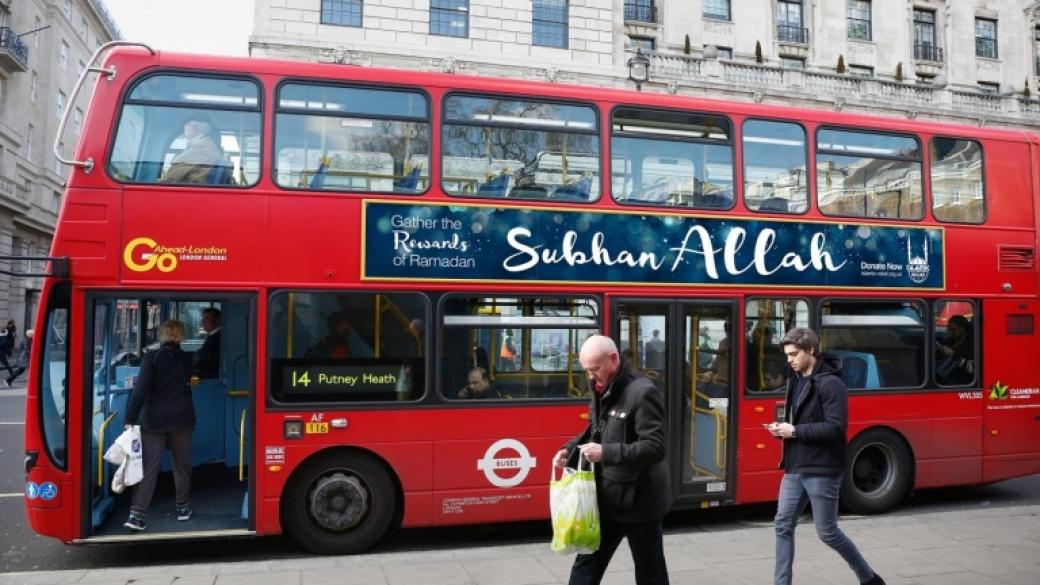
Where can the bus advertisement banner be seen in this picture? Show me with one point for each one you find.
(486, 243)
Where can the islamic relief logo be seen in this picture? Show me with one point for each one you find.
(917, 266)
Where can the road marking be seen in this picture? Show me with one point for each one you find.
(14, 495)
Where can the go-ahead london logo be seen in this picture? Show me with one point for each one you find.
(144, 254)
(492, 464)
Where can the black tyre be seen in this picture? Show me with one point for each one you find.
(879, 472)
(338, 503)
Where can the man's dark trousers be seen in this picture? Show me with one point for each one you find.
(646, 541)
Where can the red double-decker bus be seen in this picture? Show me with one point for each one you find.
(372, 237)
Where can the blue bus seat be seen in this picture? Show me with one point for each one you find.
(495, 186)
(774, 204)
(859, 369)
(220, 174)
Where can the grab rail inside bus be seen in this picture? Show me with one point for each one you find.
(242, 447)
(55, 266)
(110, 74)
(101, 449)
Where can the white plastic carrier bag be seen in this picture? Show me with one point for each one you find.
(126, 453)
(575, 513)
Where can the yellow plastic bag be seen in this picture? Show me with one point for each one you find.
(575, 513)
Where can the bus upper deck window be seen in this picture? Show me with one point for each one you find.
(520, 149)
(338, 138)
(868, 174)
(187, 129)
(775, 159)
(958, 191)
(677, 159)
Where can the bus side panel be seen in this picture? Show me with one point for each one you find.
(331, 250)
(50, 515)
(933, 425)
(1011, 392)
(758, 453)
(89, 217)
(494, 464)
(199, 237)
(1007, 186)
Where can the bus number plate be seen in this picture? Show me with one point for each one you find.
(317, 428)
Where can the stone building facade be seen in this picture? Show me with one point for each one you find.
(44, 44)
(967, 61)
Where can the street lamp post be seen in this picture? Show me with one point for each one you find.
(639, 69)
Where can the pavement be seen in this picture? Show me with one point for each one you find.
(981, 546)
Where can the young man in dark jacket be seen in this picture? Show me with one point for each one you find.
(626, 440)
(813, 431)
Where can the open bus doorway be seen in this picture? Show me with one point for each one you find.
(124, 333)
(689, 349)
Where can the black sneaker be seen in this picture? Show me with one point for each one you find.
(184, 512)
(135, 522)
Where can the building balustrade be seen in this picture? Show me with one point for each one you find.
(978, 101)
(832, 83)
(14, 54)
(675, 65)
(1028, 106)
(903, 92)
(674, 71)
(747, 73)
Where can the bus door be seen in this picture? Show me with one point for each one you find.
(685, 347)
(125, 333)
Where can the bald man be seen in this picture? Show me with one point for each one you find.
(625, 440)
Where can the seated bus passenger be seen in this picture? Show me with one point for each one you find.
(955, 355)
(478, 386)
(526, 187)
(342, 341)
(199, 159)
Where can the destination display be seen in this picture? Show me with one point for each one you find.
(484, 243)
(342, 380)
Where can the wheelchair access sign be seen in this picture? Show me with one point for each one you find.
(45, 491)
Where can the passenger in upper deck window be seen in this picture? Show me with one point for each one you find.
(201, 157)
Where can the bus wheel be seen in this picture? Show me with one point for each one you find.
(338, 503)
(878, 474)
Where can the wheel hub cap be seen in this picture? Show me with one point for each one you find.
(338, 501)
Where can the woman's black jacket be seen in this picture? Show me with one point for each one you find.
(163, 391)
(628, 421)
(820, 418)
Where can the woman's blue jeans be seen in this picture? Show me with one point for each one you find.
(797, 490)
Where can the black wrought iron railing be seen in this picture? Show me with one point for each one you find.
(641, 11)
(928, 52)
(792, 34)
(10, 41)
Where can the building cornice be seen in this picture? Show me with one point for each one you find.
(36, 224)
